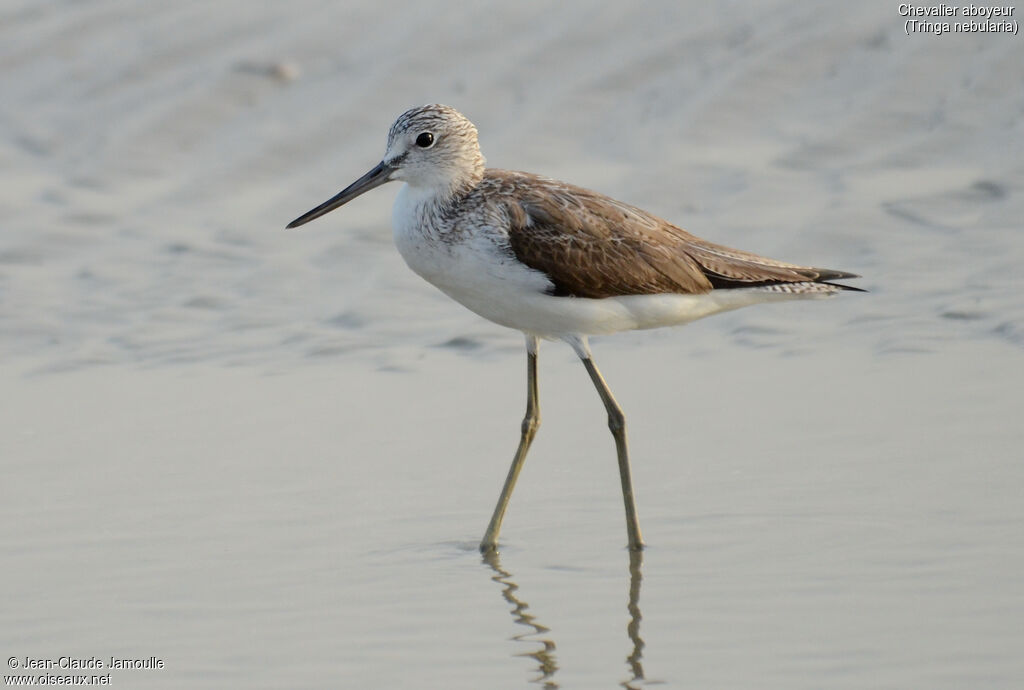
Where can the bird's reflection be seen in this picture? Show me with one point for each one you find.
(538, 634)
(545, 656)
(635, 658)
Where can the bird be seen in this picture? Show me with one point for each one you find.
(556, 262)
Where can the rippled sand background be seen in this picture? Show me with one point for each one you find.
(265, 456)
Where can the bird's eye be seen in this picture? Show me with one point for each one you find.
(425, 140)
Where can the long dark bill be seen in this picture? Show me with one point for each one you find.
(375, 178)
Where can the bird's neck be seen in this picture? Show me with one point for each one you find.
(421, 209)
(447, 192)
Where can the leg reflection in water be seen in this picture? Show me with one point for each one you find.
(537, 634)
(635, 658)
(545, 656)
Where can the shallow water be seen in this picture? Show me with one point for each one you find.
(266, 532)
(266, 457)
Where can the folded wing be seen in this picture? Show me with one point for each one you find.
(590, 245)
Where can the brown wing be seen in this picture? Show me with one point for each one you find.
(590, 245)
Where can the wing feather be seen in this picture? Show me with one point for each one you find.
(590, 245)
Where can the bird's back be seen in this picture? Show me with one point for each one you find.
(590, 245)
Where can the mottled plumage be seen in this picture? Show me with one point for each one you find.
(556, 261)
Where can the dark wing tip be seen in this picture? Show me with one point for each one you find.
(822, 276)
(848, 288)
(828, 274)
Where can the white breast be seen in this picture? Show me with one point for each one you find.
(470, 265)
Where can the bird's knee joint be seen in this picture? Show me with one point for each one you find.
(530, 424)
(617, 423)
